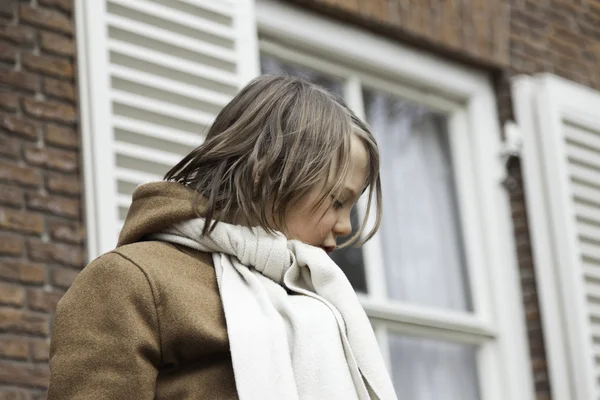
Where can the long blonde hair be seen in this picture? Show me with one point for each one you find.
(272, 143)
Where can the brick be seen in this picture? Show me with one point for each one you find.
(11, 195)
(8, 53)
(66, 231)
(19, 80)
(65, 5)
(10, 245)
(15, 348)
(43, 300)
(21, 35)
(11, 295)
(26, 176)
(56, 159)
(9, 101)
(54, 205)
(9, 147)
(49, 110)
(30, 375)
(40, 350)
(23, 322)
(21, 221)
(14, 395)
(63, 277)
(7, 10)
(44, 396)
(22, 271)
(45, 18)
(48, 65)
(59, 89)
(451, 31)
(61, 136)
(57, 253)
(18, 126)
(63, 184)
(57, 44)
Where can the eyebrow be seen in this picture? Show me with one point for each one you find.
(350, 191)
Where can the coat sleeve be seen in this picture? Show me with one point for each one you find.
(105, 340)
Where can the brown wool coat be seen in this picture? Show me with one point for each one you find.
(145, 320)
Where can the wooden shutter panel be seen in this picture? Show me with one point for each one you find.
(561, 127)
(154, 74)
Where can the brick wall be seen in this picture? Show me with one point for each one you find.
(41, 231)
(506, 37)
(475, 31)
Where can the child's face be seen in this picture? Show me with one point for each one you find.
(332, 218)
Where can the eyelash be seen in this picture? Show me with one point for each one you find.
(337, 204)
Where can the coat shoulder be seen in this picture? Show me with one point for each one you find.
(160, 260)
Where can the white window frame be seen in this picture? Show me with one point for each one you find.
(466, 96)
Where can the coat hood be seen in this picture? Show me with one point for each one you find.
(155, 207)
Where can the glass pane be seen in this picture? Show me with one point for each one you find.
(271, 65)
(350, 260)
(425, 369)
(420, 232)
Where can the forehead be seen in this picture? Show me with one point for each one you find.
(358, 169)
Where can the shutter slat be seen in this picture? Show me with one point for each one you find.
(595, 331)
(147, 154)
(590, 250)
(591, 271)
(167, 85)
(135, 177)
(174, 63)
(171, 39)
(594, 311)
(163, 108)
(587, 211)
(584, 174)
(586, 193)
(584, 155)
(223, 7)
(582, 137)
(593, 292)
(589, 231)
(123, 200)
(163, 133)
(177, 17)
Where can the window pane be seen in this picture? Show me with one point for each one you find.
(350, 260)
(271, 65)
(425, 369)
(420, 232)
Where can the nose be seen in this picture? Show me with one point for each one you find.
(343, 226)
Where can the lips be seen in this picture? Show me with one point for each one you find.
(328, 249)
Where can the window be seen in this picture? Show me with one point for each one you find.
(421, 260)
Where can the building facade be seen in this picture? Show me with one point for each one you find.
(490, 150)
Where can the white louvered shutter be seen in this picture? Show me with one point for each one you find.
(154, 76)
(561, 128)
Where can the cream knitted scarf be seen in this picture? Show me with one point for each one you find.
(296, 328)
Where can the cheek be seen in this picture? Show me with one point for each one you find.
(325, 225)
